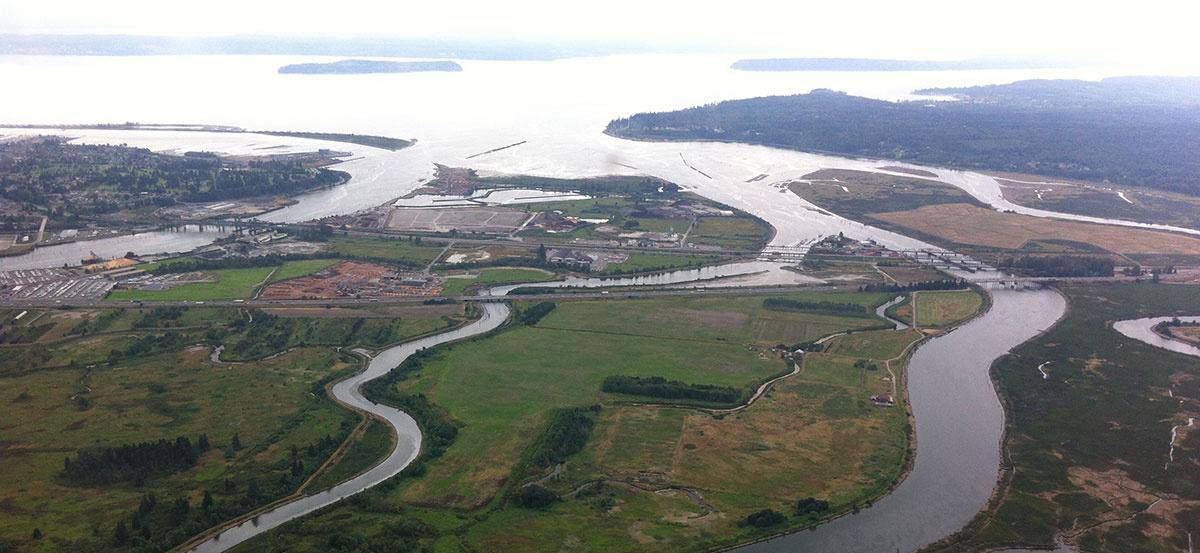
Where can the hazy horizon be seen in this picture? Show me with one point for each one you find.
(1153, 37)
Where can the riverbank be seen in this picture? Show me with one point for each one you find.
(1106, 391)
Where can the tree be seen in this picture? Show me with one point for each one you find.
(765, 518)
(236, 442)
(207, 502)
(541, 255)
(37, 533)
(121, 534)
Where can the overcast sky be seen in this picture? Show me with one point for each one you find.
(1152, 31)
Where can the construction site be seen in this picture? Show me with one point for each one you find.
(352, 279)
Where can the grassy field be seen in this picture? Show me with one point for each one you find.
(295, 269)
(944, 214)
(815, 434)
(123, 380)
(737, 233)
(457, 286)
(181, 393)
(905, 274)
(1089, 444)
(867, 192)
(230, 284)
(404, 252)
(640, 262)
(977, 226)
(1088, 198)
(940, 309)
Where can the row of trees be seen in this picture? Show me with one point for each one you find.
(1059, 265)
(947, 284)
(784, 304)
(534, 313)
(659, 387)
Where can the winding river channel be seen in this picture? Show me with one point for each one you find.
(959, 422)
(556, 111)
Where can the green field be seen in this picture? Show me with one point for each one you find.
(940, 309)
(231, 284)
(396, 250)
(737, 233)
(160, 396)
(642, 262)
(295, 269)
(1089, 444)
(457, 286)
(815, 434)
(136, 375)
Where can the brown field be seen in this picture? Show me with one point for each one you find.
(347, 279)
(967, 224)
(1189, 334)
(917, 172)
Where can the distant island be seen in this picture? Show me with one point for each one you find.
(868, 64)
(349, 67)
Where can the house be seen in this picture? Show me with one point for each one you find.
(883, 400)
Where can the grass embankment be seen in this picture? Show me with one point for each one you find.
(457, 285)
(133, 375)
(1088, 444)
(650, 477)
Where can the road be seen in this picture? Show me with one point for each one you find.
(591, 294)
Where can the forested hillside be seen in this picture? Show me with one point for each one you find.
(1072, 129)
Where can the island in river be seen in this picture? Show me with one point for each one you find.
(354, 67)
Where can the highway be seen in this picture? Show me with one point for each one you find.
(565, 295)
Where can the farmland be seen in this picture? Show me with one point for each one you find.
(651, 476)
(977, 226)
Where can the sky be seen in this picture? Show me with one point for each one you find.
(1155, 32)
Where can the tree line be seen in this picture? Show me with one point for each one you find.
(659, 387)
(135, 462)
(534, 313)
(784, 304)
(945, 284)
(1059, 265)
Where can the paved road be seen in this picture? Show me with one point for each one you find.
(352, 302)
(591, 294)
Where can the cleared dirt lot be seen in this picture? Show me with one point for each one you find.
(351, 279)
(967, 224)
(481, 219)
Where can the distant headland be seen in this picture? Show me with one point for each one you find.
(347, 67)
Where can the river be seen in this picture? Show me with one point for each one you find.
(959, 422)
(558, 109)
(1143, 329)
(349, 392)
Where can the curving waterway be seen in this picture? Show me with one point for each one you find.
(349, 392)
(959, 423)
(1143, 329)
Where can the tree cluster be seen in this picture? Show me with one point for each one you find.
(659, 387)
(136, 462)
